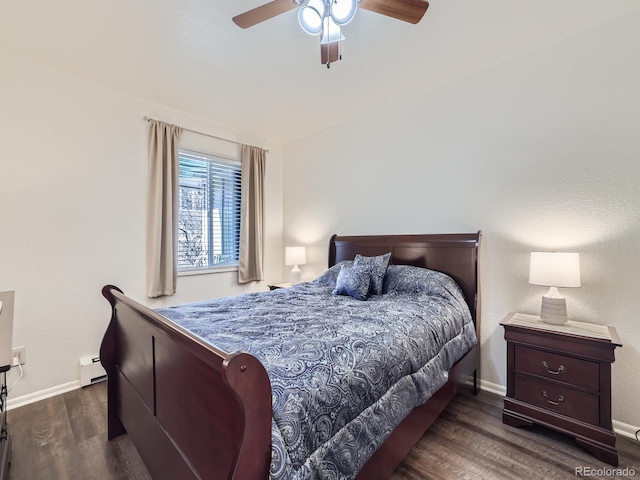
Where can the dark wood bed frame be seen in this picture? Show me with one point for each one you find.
(196, 412)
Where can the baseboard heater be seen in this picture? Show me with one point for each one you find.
(91, 371)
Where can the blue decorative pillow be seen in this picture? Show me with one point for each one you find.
(353, 281)
(378, 266)
(330, 276)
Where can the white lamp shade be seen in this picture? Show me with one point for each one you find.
(555, 269)
(295, 256)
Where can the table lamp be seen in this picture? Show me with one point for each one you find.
(6, 328)
(553, 270)
(295, 256)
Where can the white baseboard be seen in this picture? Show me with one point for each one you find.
(41, 395)
(625, 430)
(493, 388)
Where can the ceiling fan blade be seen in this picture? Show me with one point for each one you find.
(265, 12)
(329, 52)
(410, 11)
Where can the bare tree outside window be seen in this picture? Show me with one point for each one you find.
(209, 216)
(192, 250)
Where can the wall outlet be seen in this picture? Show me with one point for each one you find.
(21, 353)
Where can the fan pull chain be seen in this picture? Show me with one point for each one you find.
(327, 6)
(340, 48)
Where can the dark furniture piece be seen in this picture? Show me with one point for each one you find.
(5, 439)
(560, 377)
(279, 285)
(194, 411)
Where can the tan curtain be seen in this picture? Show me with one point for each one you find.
(162, 209)
(251, 261)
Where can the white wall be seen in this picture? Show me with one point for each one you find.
(73, 165)
(541, 152)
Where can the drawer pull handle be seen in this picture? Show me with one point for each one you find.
(560, 400)
(560, 369)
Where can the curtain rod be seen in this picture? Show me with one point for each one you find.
(148, 119)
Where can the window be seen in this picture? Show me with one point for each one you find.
(209, 211)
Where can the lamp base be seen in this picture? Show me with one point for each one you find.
(554, 310)
(296, 275)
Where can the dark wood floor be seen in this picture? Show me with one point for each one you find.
(64, 437)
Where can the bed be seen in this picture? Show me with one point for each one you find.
(194, 410)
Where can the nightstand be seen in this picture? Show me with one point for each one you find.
(559, 376)
(279, 285)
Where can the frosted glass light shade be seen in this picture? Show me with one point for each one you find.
(310, 17)
(343, 11)
(555, 269)
(295, 256)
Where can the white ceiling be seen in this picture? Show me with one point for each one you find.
(267, 80)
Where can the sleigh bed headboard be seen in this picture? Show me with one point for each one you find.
(455, 254)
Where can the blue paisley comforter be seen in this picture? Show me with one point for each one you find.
(344, 373)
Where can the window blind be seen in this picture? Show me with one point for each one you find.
(209, 214)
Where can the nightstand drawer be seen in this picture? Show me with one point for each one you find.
(567, 401)
(574, 371)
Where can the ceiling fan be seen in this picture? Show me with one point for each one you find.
(325, 17)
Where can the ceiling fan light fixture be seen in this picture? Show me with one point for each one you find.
(343, 11)
(325, 17)
(310, 17)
